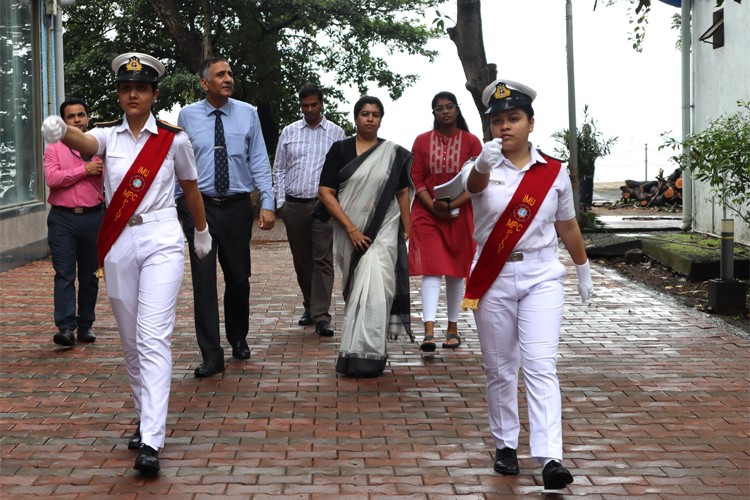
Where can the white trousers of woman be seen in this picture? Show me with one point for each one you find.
(518, 321)
(143, 274)
(454, 293)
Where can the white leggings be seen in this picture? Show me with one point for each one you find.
(454, 291)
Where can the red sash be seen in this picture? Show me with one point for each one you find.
(131, 190)
(509, 229)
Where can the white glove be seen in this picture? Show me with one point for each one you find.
(201, 242)
(490, 156)
(585, 286)
(53, 129)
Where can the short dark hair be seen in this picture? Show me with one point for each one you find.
(310, 89)
(71, 102)
(368, 99)
(207, 63)
(154, 85)
(526, 108)
(460, 120)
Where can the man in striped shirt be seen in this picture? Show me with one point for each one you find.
(299, 158)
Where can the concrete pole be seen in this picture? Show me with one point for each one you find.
(572, 127)
(59, 67)
(687, 178)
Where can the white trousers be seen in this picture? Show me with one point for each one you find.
(454, 293)
(518, 321)
(143, 274)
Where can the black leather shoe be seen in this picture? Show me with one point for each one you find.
(134, 442)
(65, 338)
(147, 461)
(324, 328)
(306, 319)
(555, 476)
(241, 351)
(506, 461)
(209, 369)
(86, 335)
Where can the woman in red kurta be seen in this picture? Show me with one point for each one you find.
(441, 242)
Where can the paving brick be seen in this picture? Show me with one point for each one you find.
(660, 411)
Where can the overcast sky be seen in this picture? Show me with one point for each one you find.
(635, 96)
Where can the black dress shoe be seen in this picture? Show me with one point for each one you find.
(324, 328)
(65, 338)
(555, 476)
(241, 351)
(86, 335)
(134, 442)
(506, 461)
(306, 319)
(147, 461)
(209, 369)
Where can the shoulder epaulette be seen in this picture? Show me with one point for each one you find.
(168, 126)
(114, 123)
(549, 157)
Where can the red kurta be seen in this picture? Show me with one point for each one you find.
(439, 247)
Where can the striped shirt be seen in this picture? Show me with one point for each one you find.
(299, 158)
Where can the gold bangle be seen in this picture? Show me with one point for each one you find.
(352, 230)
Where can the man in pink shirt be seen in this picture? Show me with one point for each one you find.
(75, 193)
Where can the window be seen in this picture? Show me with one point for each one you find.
(20, 171)
(715, 34)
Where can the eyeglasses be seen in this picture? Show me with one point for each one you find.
(446, 107)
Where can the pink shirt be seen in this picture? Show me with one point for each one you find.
(70, 185)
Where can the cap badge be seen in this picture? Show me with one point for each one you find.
(501, 91)
(134, 64)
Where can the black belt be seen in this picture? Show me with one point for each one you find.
(81, 210)
(294, 199)
(224, 200)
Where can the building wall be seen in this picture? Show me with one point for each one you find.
(721, 77)
(27, 85)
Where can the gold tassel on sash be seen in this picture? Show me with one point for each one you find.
(469, 304)
(99, 273)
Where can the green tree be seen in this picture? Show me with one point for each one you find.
(273, 46)
(591, 146)
(720, 156)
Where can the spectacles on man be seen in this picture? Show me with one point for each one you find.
(444, 107)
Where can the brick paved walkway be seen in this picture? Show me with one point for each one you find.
(655, 405)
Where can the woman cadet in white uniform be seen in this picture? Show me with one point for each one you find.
(516, 283)
(141, 244)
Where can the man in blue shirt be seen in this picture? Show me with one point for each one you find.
(232, 161)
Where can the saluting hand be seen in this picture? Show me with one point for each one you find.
(490, 156)
(53, 129)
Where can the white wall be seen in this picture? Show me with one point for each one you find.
(721, 77)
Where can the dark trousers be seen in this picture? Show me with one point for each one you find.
(311, 244)
(72, 242)
(230, 226)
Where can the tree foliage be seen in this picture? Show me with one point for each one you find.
(590, 141)
(273, 46)
(720, 156)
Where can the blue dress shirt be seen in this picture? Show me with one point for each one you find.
(249, 167)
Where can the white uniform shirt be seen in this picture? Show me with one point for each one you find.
(504, 180)
(119, 149)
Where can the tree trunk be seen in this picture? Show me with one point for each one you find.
(179, 33)
(467, 36)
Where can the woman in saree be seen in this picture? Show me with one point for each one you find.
(365, 187)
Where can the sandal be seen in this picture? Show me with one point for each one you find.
(449, 338)
(428, 344)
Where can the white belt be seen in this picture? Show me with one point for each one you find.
(156, 215)
(541, 254)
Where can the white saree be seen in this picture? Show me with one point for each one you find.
(368, 320)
